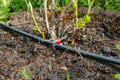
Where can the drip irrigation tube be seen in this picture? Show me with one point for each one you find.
(63, 47)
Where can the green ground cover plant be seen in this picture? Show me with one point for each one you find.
(118, 46)
(18, 5)
(117, 76)
(25, 74)
(4, 10)
(67, 76)
(102, 4)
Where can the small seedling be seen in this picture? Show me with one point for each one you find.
(30, 9)
(84, 37)
(68, 76)
(117, 76)
(24, 73)
(118, 46)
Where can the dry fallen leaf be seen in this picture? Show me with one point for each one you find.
(64, 68)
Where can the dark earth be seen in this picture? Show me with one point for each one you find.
(46, 63)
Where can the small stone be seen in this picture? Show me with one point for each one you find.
(106, 49)
(2, 77)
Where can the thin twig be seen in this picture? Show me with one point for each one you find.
(62, 14)
(53, 11)
(67, 26)
(64, 11)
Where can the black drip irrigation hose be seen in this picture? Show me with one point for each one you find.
(63, 47)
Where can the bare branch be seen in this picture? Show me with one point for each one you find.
(64, 11)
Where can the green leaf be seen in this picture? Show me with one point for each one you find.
(24, 73)
(35, 29)
(117, 76)
(58, 8)
(4, 11)
(118, 46)
(6, 3)
(11, 14)
(3, 20)
(31, 8)
(86, 18)
(66, 2)
(81, 23)
(89, 3)
(68, 76)
(76, 13)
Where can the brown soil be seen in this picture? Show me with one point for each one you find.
(46, 63)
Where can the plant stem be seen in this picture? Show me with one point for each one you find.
(46, 16)
(30, 9)
(51, 32)
(76, 14)
(74, 36)
(37, 25)
(89, 7)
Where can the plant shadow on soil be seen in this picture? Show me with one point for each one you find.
(47, 63)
